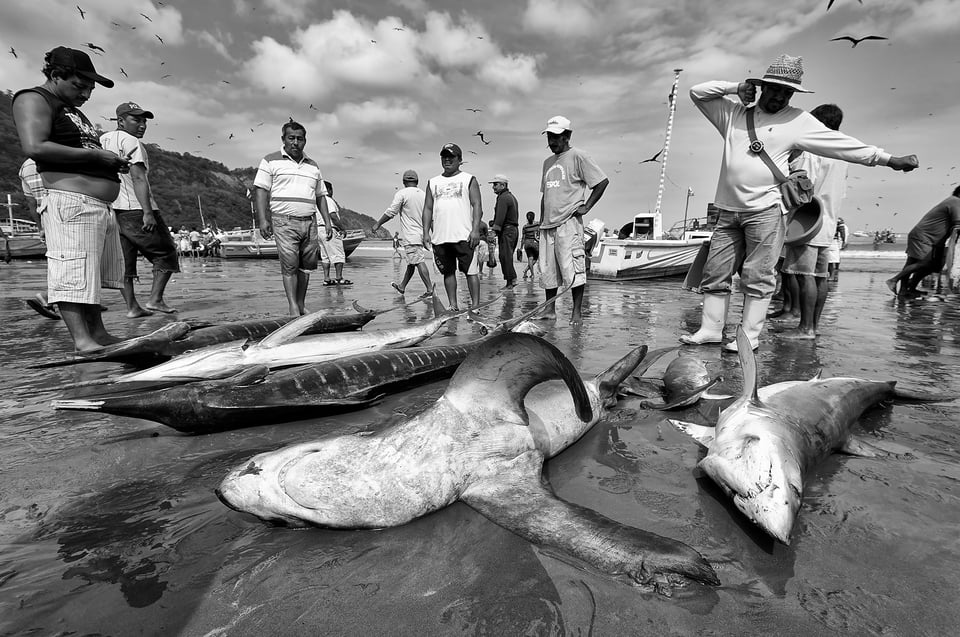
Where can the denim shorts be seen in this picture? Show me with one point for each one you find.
(748, 243)
(157, 245)
(297, 243)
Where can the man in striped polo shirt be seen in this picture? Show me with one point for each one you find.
(290, 187)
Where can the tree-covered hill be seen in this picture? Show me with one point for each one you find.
(177, 180)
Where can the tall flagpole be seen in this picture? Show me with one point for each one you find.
(666, 139)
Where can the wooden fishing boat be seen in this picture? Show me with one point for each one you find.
(250, 244)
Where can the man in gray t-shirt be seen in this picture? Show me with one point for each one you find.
(572, 184)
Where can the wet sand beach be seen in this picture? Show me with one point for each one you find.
(109, 525)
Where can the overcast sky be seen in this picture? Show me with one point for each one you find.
(382, 85)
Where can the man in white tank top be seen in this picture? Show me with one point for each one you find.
(451, 223)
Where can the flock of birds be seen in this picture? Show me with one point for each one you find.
(98, 50)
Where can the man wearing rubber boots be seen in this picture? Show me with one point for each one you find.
(750, 231)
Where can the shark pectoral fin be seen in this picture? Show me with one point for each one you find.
(493, 380)
(703, 435)
(690, 397)
(857, 447)
(517, 500)
(652, 357)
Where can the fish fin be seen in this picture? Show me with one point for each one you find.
(857, 447)
(293, 329)
(608, 381)
(691, 397)
(246, 377)
(652, 357)
(748, 363)
(439, 309)
(518, 500)
(703, 435)
(78, 404)
(708, 395)
(494, 379)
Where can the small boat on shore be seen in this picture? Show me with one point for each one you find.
(250, 244)
(21, 239)
(641, 250)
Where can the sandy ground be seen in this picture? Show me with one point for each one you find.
(109, 525)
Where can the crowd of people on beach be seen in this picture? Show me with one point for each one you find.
(92, 194)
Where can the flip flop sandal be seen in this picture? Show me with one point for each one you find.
(43, 310)
(329, 282)
(344, 282)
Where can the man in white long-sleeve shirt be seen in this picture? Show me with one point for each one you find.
(749, 235)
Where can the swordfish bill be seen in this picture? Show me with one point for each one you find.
(253, 398)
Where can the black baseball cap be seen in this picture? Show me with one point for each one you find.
(451, 149)
(132, 108)
(79, 62)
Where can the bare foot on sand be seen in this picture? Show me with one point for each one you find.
(160, 307)
(138, 312)
(892, 285)
(799, 335)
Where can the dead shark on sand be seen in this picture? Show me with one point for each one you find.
(481, 443)
(767, 442)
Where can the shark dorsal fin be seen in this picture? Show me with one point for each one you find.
(748, 363)
(493, 380)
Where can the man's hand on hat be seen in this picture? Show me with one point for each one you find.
(747, 92)
(905, 163)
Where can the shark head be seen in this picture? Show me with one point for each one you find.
(761, 477)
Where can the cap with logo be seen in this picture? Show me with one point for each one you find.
(557, 124)
(132, 108)
(451, 150)
(499, 179)
(79, 62)
(410, 175)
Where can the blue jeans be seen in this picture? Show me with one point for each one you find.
(748, 243)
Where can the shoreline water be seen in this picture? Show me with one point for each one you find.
(109, 524)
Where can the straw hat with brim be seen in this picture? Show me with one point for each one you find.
(786, 70)
(804, 223)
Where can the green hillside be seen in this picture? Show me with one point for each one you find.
(177, 180)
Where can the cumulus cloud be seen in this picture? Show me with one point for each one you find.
(287, 11)
(380, 113)
(348, 57)
(567, 18)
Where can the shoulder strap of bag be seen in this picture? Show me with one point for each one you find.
(752, 132)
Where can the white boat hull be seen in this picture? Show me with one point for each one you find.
(251, 245)
(634, 259)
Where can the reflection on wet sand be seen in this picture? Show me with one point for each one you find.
(110, 524)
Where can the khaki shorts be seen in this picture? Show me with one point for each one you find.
(415, 254)
(562, 255)
(833, 252)
(83, 247)
(806, 260)
(331, 251)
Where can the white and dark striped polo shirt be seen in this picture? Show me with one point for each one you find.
(293, 186)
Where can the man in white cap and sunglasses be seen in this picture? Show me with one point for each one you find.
(750, 231)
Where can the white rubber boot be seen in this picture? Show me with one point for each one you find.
(754, 315)
(712, 320)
